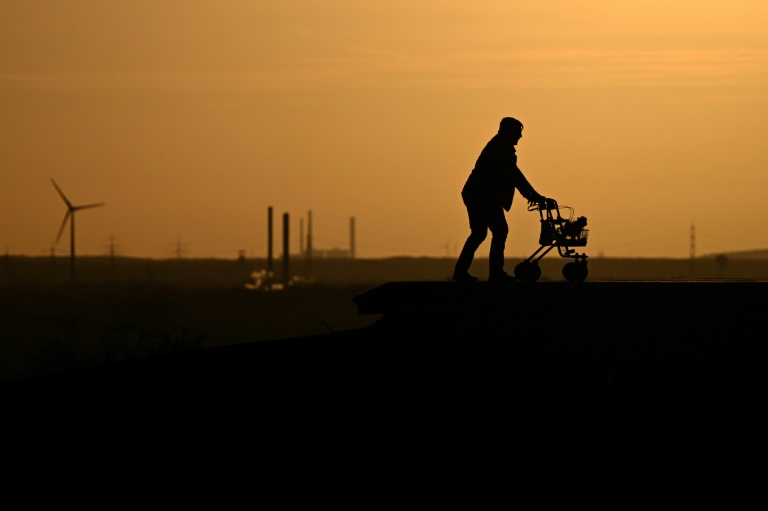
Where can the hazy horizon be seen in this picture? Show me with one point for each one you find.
(188, 120)
(750, 254)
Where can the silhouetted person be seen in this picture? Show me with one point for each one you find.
(487, 194)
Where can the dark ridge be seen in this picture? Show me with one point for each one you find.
(466, 344)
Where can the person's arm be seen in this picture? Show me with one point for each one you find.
(522, 184)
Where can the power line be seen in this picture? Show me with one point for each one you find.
(692, 253)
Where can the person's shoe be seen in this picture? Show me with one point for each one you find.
(501, 277)
(464, 277)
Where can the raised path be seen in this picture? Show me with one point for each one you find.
(511, 342)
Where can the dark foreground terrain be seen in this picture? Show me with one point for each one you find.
(507, 346)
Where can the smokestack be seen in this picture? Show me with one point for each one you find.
(286, 253)
(301, 236)
(352, 237)
(308, 253)
(269, 243)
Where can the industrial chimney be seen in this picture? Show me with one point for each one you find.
(286, 252)
(301, 236)
(308, 253)
(269, 245)
(352, 237)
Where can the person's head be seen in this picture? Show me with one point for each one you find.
(511, 127)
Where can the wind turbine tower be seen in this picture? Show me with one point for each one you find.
(71, 209)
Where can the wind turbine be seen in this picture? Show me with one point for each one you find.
(71, 217)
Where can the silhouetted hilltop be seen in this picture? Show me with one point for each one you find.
(503, 344)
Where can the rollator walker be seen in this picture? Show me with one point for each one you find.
(563, 233)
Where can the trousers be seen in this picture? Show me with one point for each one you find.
(483, 217)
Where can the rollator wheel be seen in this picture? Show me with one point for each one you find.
(569, 271)
(575, 272)
(581, 274)
(527, 271)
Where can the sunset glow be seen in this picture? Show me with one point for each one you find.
(188, 119)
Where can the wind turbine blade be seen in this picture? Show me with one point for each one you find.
(69, 204)
(76, 208)
(63, 224)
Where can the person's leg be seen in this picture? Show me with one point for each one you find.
(479, 230)
(497, 223)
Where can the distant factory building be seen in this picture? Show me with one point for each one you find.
(331, 253)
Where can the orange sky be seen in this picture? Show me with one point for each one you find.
(190, 118)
